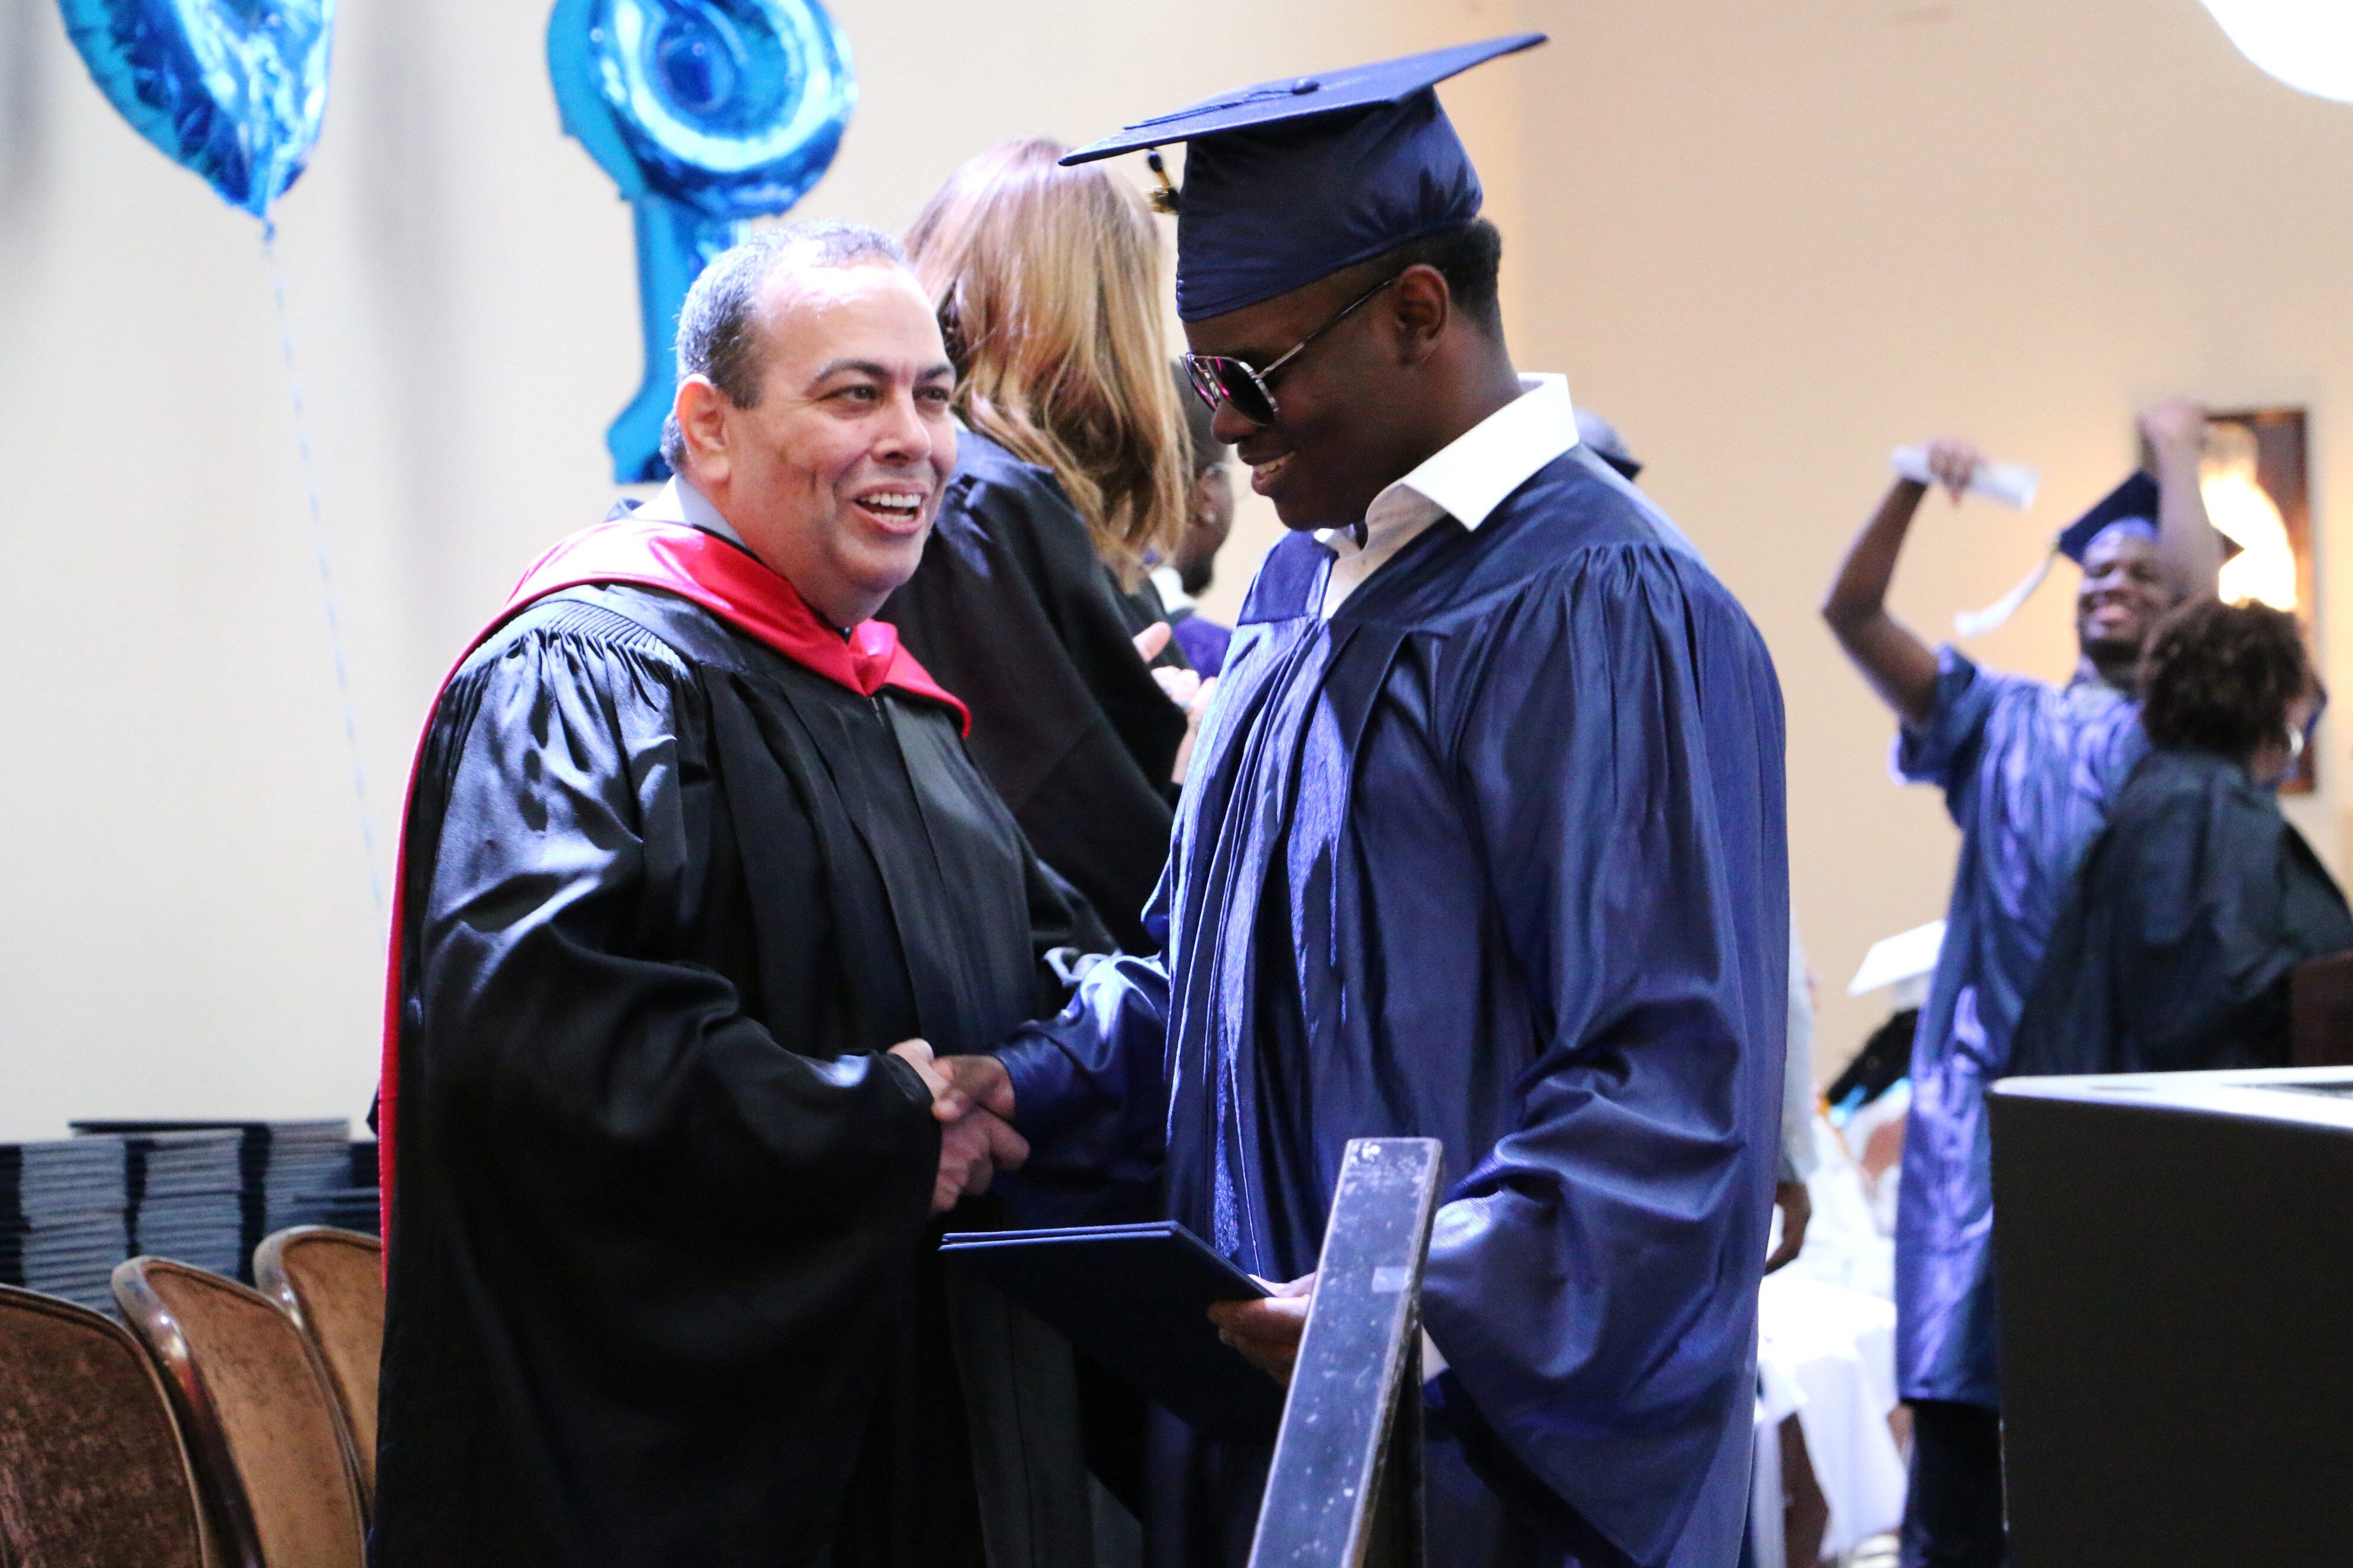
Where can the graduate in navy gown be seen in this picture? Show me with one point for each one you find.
(2028, 769)
(1484, 841)
(1192, 564)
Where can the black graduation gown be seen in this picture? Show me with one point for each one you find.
(1013, 612)
(662, 1287)
(2173, 948)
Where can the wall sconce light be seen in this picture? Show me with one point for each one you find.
(2307, 44)
(2256, 485)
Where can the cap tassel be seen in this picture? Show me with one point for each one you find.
(1970, 623)
(1163, 200)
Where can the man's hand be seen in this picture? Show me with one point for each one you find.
(1189, 691)
(973, 1149)
(1267, 1331)
(973, 1094)
(2176, 423)
(1954, 462)
(917, 1054)
(1796, 1207)
(970, 1081)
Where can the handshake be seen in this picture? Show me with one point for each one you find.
(973, 1097)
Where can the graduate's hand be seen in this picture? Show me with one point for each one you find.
(1953, 461)
(2175, 424)
(1189, 691)
(969, 1082)
(1267, 1331)
(1796, 1207)
(971, 1150)
(1152, 639)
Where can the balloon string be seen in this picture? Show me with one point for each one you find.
(325, 561)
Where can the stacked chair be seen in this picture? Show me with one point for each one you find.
(92, 1469)
(216, 1426)
(331, 1284)
(264, 1433)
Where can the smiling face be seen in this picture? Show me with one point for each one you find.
(1347, 422)
(2123, 596)
(833, 475)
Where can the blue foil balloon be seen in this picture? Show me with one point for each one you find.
(233, 89)
(706, 113)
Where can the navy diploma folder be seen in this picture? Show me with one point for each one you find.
(1136, 1298)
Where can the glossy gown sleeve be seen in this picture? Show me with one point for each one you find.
(1592, 1283)
(563, 1007)
(1090, 1094)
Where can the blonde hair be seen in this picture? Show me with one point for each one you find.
(1048, 284)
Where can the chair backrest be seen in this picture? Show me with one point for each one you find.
(261, 1426)
(331, 1282)
(91, 1469)
(2320, 1011)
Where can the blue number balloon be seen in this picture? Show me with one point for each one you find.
(706, 113)
(233, 89)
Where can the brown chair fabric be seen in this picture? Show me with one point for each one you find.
(262, 1427)
(331, 1282)
(92, 1471)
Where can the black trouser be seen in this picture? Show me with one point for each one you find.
(1952, 1512)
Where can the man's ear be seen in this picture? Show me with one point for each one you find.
(1423, 306)
(701, 410)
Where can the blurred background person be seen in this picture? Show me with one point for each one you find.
(2173, 950)
(1072, 473)
(1208, 519)
(2028, 769)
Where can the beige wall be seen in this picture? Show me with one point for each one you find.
(1771, 240)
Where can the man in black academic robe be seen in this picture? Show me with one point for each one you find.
(692, 847)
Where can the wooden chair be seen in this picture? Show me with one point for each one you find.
(91, 1468)
(331, 1282)
(261, 1425)
(2320, 1011)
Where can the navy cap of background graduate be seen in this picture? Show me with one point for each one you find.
(2131, 507)
(2132, 503)
(1292, 180)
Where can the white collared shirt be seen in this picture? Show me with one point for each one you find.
(1466, 480)
(680, 501)
(1173, 597)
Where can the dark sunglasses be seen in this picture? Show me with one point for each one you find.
(1221, 379)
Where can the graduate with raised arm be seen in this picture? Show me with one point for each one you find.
(2028, 769)
(1483, 842)
(693, 853)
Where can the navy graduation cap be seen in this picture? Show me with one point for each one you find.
(2134, 501)
(2132, 504)
(1289, 181)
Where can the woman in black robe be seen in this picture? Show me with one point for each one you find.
(2192, 906)
(1070, 472)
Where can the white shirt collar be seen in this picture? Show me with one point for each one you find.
(680, 501)
(1466, 480)
(1171, 584)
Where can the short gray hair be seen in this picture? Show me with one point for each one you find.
(717, 326)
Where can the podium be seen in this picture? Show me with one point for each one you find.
(2173, 1254)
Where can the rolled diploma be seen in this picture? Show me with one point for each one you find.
(2011, 484)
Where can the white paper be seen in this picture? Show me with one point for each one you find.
(2011, 484)
(1899, 957)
